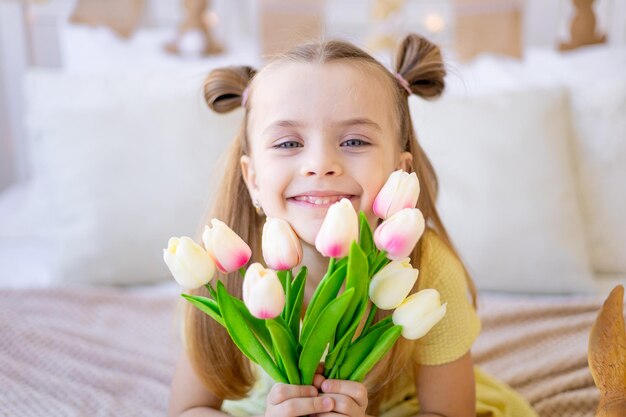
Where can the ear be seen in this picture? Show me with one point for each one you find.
(405, 162)
(249, 175)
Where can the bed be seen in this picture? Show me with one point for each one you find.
(532, 193)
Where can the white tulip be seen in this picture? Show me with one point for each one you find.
(263, 293)
(191, 266)
(390, 286)
(419, 313)
(282, 249)
(339, 229)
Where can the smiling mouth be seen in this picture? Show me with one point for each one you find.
(322, 202)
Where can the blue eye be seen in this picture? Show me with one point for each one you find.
(288, 145)
(358, 142)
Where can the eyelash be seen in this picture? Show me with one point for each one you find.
(280, 145)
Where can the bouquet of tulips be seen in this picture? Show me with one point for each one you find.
(375, 268)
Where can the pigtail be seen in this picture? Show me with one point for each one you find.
(225, 88)
(419, 62)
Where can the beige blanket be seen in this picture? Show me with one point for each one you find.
(111, 352)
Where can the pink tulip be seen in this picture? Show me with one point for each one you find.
(282, 249)
(398, 234)
(339, 230)
(228, 251)
(400, 191)
(263, 293)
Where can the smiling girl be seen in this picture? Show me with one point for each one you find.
(322, 122)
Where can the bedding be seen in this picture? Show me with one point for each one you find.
(76, 351)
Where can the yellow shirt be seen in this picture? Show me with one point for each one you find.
(450, 339)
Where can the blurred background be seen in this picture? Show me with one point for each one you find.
(107, 150)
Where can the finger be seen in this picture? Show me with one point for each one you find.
(283, 392)
(305, 406)
(331, 414)
(320, 368)
(344, 405)
(318, 379)
(352, 389)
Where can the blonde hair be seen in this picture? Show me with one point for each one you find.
(222, 368)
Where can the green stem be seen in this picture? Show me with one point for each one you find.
(331, 266)
(370, 319)
(242, 272)
(287, 308)
(211, 291)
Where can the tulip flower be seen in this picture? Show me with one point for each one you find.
(282, 249)
(419, 313)
(191, 266)
(339, 229)
(390, 286)
(262, 292)
(398, 234)
(400, 191)
(226, 248)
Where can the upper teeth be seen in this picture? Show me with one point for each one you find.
(320, 200)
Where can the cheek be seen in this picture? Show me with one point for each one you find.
(272, 190)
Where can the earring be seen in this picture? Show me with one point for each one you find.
(257, 206)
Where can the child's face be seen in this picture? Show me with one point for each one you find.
(317, 133)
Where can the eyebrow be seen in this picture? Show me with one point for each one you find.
(344, 123)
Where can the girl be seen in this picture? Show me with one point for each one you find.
(322, 122)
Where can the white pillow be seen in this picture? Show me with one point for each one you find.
(507, 188)
(599, 119)
(126, 162)
(595, 77)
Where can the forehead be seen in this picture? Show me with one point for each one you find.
(320, 93)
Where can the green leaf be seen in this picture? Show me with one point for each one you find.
(385, 322)
(325, 292)
(286, 348)
(385, 343)
(357, 353)
(336, 357)
(358, 279)
(287, 290)
(379, 262)
(323, 331)
(366, 240)
(255, 324)
(206, 305)
(243, 336)
(282, 277)
(299, 283)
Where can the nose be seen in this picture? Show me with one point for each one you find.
(321, 162)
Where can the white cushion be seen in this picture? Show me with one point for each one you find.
(507, 187)
(595, 77)
(599, 119)
(126, 162)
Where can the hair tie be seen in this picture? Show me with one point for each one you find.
(244, 97)
(404, 83)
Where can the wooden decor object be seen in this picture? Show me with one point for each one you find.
(493, 26)
(287, 23)
(385, 31)
(607, 355)
(583, 27)
(121, 16)
(194, 24)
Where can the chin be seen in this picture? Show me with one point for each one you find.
(307, 232)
